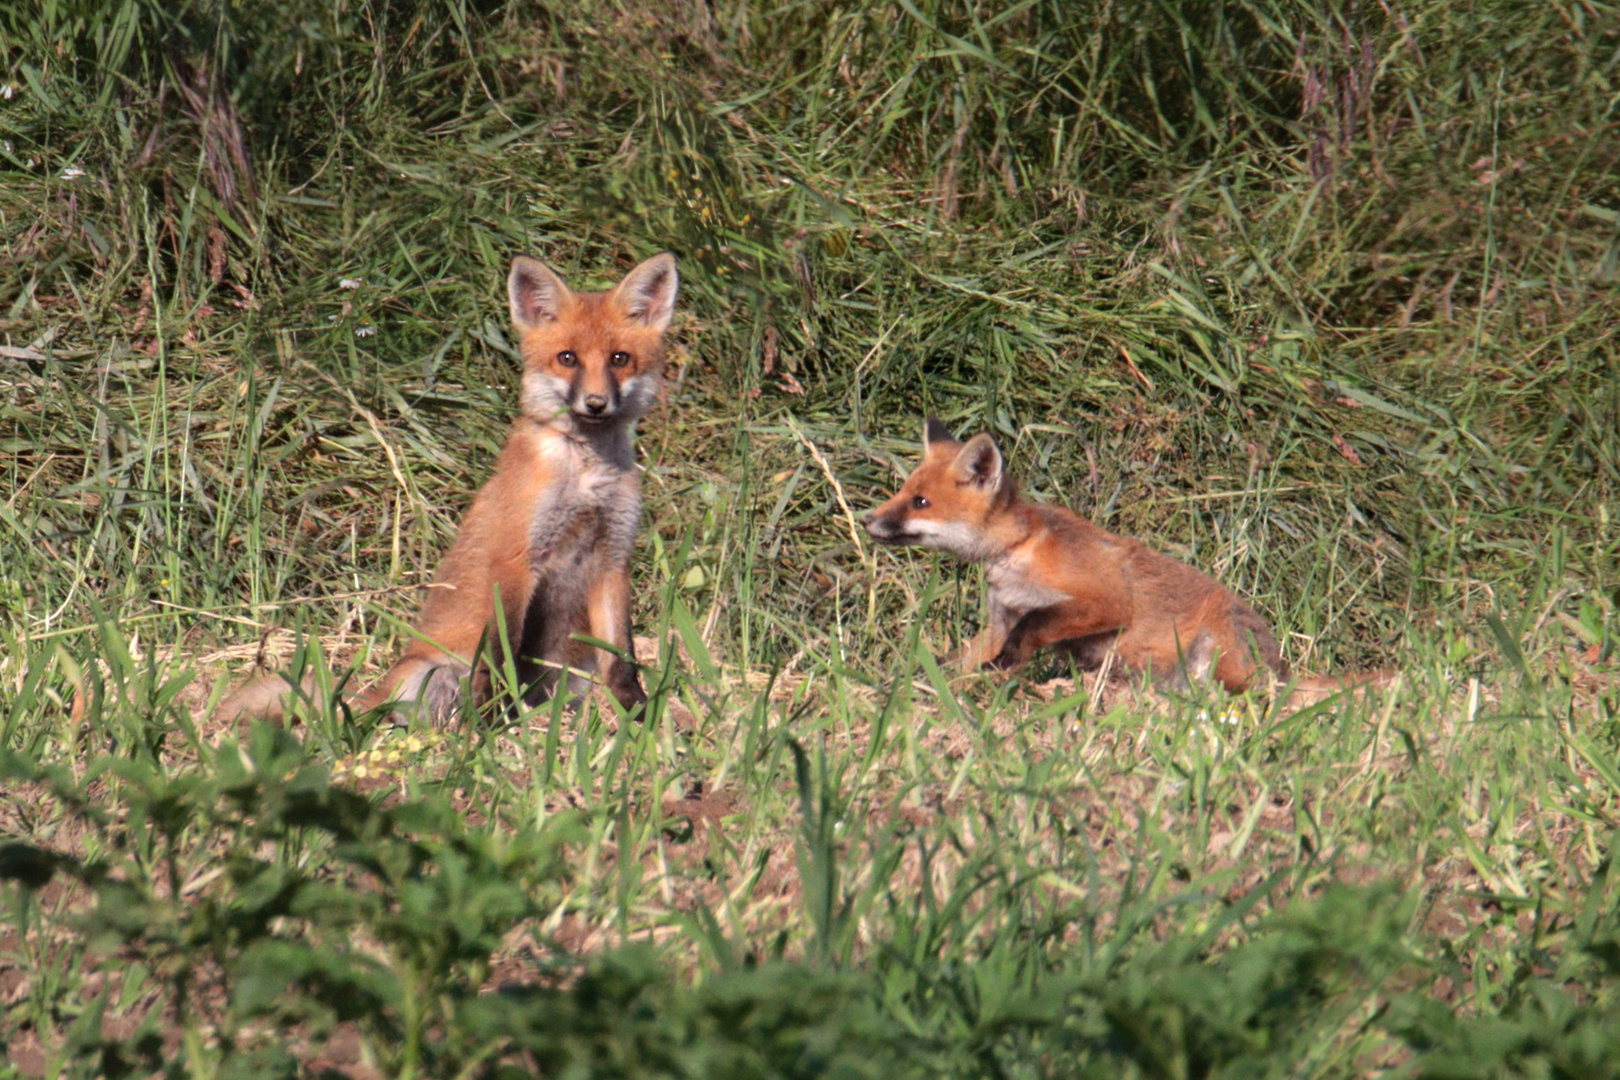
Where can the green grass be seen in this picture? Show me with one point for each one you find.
(1321, 299)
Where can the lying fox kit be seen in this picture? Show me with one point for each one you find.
(1057, 579)
(546, 542)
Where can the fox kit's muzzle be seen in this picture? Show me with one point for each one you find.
(886, 529)
(595, 408)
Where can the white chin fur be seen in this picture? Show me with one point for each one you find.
(637, 394)
(952, 536)
(544, 397)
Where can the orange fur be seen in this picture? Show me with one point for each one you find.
(549, 534)
(1058, 580)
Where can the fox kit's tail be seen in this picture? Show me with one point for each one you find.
(1309, 690)
(263, 697)
(431, 686)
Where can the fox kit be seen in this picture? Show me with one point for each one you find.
(1057, 579)
(547, 538)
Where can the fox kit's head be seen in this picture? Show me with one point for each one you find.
(591, 360)
(950, 501)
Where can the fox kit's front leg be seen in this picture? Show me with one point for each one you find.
(988, 642)
(610, 622)
(1072, 621)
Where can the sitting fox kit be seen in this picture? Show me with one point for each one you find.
(544, 550)
(1057, 579)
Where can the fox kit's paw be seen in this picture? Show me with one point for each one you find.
(1011, 657)
(441, 695)
(624, 683)
(679, 714)
(963, 661)
(969, 659)
(631, 698)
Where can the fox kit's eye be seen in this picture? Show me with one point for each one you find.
(919, 502)
(567, 358)
(619, 359)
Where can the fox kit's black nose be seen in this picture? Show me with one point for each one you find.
(596, 404)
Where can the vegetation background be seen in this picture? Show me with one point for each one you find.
(1317, 295)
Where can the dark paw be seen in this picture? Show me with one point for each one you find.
(631, 698)
(1006, 660)
(439, 700)
(624, 683)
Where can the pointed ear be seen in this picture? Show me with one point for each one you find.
(936, 432)
(538, 295)
(647, 293)
(979, 463)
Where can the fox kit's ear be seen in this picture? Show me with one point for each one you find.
(979, 463)
(647, 293)
(537, 293)
(935, 432)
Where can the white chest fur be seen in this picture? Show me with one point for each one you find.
(1012, 588)
(591, 504)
